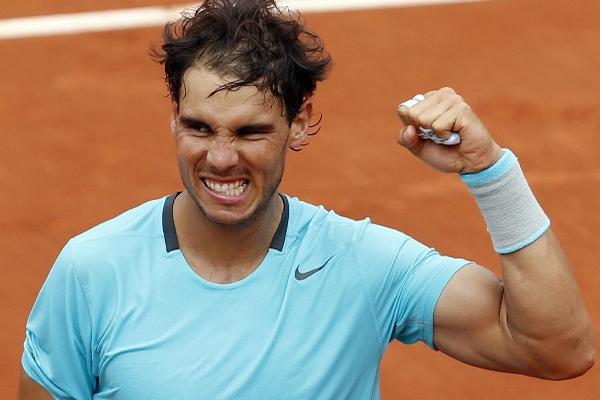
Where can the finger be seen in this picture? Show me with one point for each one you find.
(403, 114)
(448, 121)
(431, 108)
(404, 109)
(429, 115)
(413, 114)
(442, 118)
(424, 112)
(441, 157)
(410, 139)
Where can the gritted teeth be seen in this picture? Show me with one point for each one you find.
(228, 189)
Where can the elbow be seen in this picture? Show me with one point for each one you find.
(572, 363)
(585, 366)
(572, 371)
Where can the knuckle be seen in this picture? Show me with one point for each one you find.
(464, 107)
(413, 113)
(448, 91)
(438, 126)
(426, 121)
(458, 98)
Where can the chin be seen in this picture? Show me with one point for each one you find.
(227, 218)
(236, 211)
(230, 215)
(233, 217)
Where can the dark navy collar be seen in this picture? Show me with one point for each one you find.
(172, 243)
(168, 224)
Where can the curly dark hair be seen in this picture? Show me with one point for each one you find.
(253, 41)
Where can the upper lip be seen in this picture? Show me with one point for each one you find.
(225, 180)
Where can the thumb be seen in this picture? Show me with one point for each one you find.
(410, 139)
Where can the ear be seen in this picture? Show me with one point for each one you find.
(301, 125)
(174, 116)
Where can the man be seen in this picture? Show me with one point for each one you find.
(230, 290)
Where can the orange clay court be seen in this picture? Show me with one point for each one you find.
(84, 120)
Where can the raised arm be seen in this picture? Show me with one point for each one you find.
(533, 320)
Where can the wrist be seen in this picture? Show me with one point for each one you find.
(485, 161)
(495, 154)
(504, 161)
(513, 216)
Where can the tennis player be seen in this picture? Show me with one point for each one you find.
(232, 290)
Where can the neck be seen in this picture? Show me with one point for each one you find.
(224, 253)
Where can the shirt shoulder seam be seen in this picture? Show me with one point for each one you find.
(380, 338)
(87, 301)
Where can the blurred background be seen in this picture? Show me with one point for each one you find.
(84, 122)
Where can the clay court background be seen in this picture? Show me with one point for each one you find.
(84, 123)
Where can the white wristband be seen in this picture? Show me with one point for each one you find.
(513, 216)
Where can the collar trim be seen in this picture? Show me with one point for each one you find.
(168, 224)
(172, 244)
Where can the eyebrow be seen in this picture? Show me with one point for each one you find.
(195, 122)
(258, 127)
(190, 121)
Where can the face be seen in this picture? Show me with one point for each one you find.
(231, 147)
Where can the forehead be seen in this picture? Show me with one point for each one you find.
(198, 97)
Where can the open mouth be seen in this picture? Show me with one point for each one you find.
(229, 189)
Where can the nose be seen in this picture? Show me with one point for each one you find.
(222, 154)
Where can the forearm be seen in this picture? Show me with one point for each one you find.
(544, 311)
(534, 322)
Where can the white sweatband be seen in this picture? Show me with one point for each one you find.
(513, 216)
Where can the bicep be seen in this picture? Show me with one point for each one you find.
(31, 390)
(470, 322)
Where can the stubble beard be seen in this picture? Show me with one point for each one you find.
(272, 178)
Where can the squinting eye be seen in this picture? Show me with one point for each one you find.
(200, 130)
(253, 133)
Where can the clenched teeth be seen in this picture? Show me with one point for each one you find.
(228, 189)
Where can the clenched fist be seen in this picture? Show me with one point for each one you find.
(445, 111)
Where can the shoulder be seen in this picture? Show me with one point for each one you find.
(320, 225)
(115, 241)
(304, 216)
(323, 227)
(138, 221)
(115, 253)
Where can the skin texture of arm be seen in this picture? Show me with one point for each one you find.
(31, 390)
(533, 321)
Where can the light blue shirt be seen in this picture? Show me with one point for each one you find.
(123, 316)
